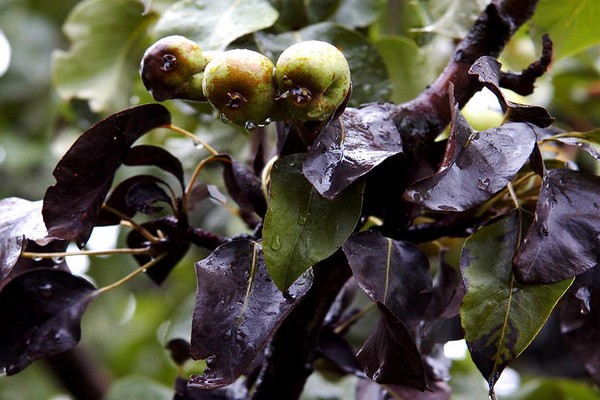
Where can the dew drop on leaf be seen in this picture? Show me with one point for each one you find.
(249, 126)
(276, 245)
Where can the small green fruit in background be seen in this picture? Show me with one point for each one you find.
(172, 69)
(314, 79)
(240, 84)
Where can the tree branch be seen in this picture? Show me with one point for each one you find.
(423, 118)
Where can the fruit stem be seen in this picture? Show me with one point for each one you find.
(143, 251)
(131, 275)
(195, 138)
(194, 177)
(126, 220)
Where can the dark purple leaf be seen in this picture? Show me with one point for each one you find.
(25, 264)
(138, 193)
(580, 320)
(350, 147)
(476, 165)
(179, 349)
(158, 157)
(238, 308)
(244, 187)
(175, 244)
(390, 355)
(448, 292)
(338, 351)
(563, 240)
(391, 272)
(85, 173)
(40, 312)
(488, 71)
(20, 220)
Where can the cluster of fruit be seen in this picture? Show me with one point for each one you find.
(309, 82)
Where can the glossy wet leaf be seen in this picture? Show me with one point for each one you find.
(20, 220)
(390, 355)
(391, 272)
(587, 141)
(85, 173)
(500, 315)
(215, 24)
(40, 313)
(350, 147)
(488, 71)
(563, 240)
(238, 309)
(570, 24)
(174, 245)
(476, 165)
(301, 227)
(102, 61)
(244, 187)
(369, 77)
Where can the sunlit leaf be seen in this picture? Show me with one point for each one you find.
(563, 240)
(40, 312)
(20, 219)
(301, 227)
(238, 308)
(102, 62)
(368, 73)
(215, 24)
(350, 147)
(500, 315)
(85, 173)
(476, 165)
(571, 25)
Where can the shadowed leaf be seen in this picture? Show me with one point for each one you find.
(563, 239)
(175, 243)
(390, 355)
(244, 187)
(85, 173)
(500, 316)
(40, 312)
(302, 228)
(158, 157)
(350, 147)
(238, 308)
(476, 165)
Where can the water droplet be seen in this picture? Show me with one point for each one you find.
(250, 126)
(228, 335)
(199, 145)
(45, 289)
(301, 219)
(58, 260)
(416, 197)
(544, 230)
(37, 259)
(483, 184)
(276, 245)
(377, 375)
(224, 119)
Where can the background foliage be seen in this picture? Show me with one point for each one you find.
(72, 63)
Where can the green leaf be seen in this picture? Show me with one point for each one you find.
(370, 82)
(138, 387)
(571, 24)
(452, 18)
(358, 13)
(500, 316)
(301, 227)
(215, 24)
(408, 69)
(102, 63)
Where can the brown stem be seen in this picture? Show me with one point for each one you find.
(423, 118)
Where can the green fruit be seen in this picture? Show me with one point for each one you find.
(240, 84)
(172, 69)
(314, 79)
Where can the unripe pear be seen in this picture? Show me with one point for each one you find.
(240, 84)
(314, 79)
(172, 69)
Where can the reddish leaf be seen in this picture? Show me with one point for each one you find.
(85, 173)
(158, 157)
(238, 308)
